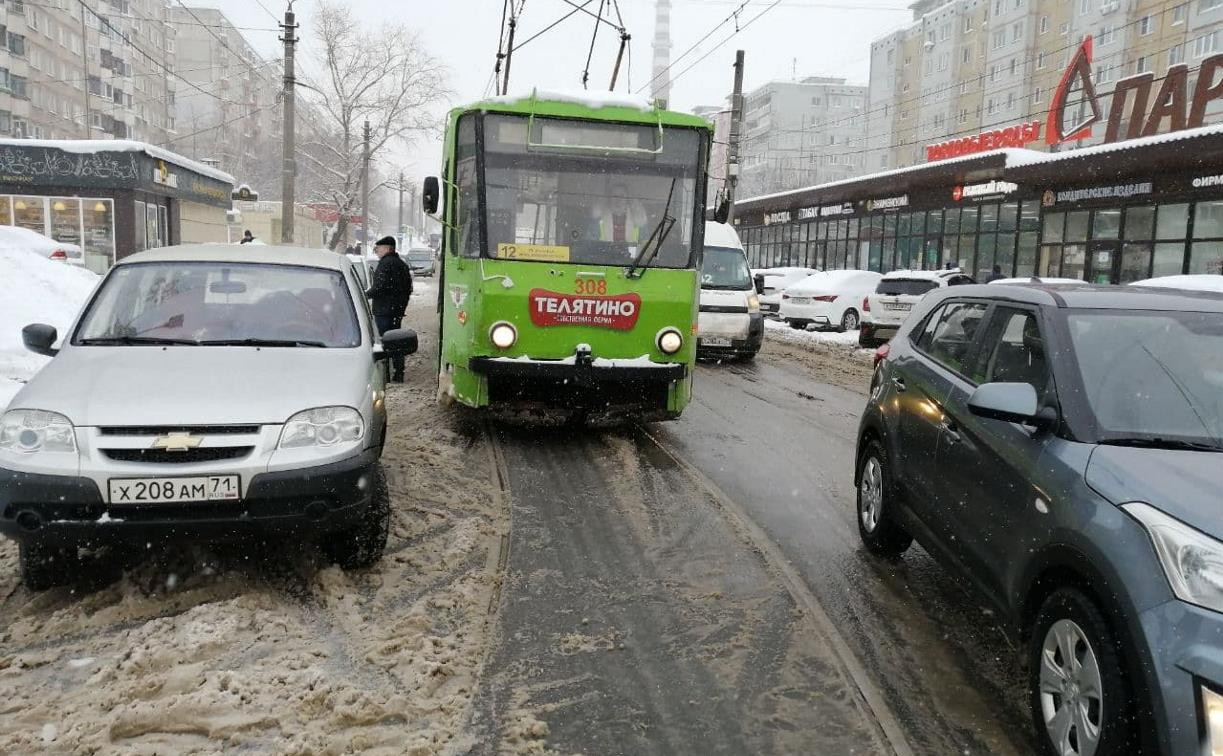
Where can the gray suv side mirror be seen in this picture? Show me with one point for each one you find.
(39, 338)
(1010, 402)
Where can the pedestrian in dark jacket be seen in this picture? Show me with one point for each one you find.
(247, 237)
(389, 292)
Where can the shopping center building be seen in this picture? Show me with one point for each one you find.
(1115, 212)
(112, 197)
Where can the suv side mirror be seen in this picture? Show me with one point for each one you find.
(758, 280)
(399, 342)
(39, 338)
(1009, 402)
(430, 195)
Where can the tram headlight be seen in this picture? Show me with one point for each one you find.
(670, 340)
(503, 335)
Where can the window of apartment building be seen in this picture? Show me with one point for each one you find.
(1205, 6)
(1044, 24)
(944, 32)
(967, 24)
(1016, 31)
(18, 85)
(905, 89)
(990, 107)
(15, 44)
(927, 66)
(1205, 44)
(1176, 55)
(1014, 66)
(1084, 7)
(944, 60)
(1105, 74)
(1107, 35)
(963, 86)
(965, 55)
(1040, 60)
(891, 56)
(993, 73)
(963, 115)
(1010, 101)
(930, 37)
(999, 38)
(997, 7)
(1142, 65)
(1178, 14)
(1064, 29)
(1146, 25)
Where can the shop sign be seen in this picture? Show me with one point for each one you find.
(550, 308)
(1206, 182)
(845, 208)
(1010, 136)
(1119, 191)
(245, 194)
(1147, 114)
(887, 203)
(773, 218)
(988, 189)
(40, 165)
(164, 176)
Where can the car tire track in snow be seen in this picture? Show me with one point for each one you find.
(635, 619)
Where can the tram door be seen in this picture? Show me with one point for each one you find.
(1103, 262)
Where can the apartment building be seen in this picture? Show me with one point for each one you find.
(992, 67)
(230, 112)
(797, 133)
(86, 69)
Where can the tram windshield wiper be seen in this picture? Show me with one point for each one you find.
(649, 250)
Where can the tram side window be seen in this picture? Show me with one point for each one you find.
(467, 216)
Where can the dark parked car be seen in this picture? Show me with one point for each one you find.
(1062, 448)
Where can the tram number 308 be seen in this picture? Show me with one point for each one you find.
(590, 286)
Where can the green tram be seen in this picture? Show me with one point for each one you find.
(573, 237)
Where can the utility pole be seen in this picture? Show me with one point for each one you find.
(400, 230)
(288, 168)
(85, 68)
(736, 133)
(365, 189)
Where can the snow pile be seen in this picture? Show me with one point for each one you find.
(782, 331)
(34, 289)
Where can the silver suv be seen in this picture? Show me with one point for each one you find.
(206, 392)
(884, 311)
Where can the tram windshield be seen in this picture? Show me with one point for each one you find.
(589, 192)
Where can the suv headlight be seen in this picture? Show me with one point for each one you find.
(323, 426)
(1192, 560)
(30, 431)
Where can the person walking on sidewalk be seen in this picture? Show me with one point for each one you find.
(389, 292)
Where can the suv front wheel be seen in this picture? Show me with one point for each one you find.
(877, 526)
(362, 545)
(1079, 695)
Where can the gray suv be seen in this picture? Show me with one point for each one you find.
(1060, 446)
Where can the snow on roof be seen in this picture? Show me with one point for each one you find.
(1199, 282)
(578, 97)
(721, 235)
(921, 275)
(90, 146)
(239, 253)
(1031, 157)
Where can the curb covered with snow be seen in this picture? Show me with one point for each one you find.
(775, 329)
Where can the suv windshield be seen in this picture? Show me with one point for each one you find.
(1154, 376)
(725, 268)
(588, 192)
(218, 304)
(900, 287)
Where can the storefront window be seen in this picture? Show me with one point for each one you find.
(1026, 255)
(952, 224)
(1107, 224)
(1005, 256)
(6, 211)
(1169, 259)
(934, 222)
(1206, 257)
(30, 212)
(986, 247)
(1208, 220)
(141, 240)
(968, 220)
(1135, 261)
(66, 220)
(889, 255)
(965, 253)
(1074, 259)
(1008, 216)
(1076, 226)
(1055, 224)
(1050, 261)
(1029, 217)
(989, 218)
(1171, 221)
(1140, 222)
(99, 226)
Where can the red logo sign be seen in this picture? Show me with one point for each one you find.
(1011, 136)
(550, 308)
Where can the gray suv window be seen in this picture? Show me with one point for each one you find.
(948, 334)
(1015, 351)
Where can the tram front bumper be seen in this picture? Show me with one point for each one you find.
(578, 371)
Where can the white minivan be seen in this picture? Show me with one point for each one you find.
(730, 323)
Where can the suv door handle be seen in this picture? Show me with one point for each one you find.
(949, 427)
(899, 383)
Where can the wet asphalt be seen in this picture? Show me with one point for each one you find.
(636, 617)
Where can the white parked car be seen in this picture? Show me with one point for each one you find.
(207, 392)
(828, 300)
(885, 310)
(1197, 282)
(776, 280)
(729, 322)
(16, 237)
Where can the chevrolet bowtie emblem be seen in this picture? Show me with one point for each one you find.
(177, 442)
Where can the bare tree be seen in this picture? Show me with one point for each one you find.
(384, 76)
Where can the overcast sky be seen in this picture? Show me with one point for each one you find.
(810, 37)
